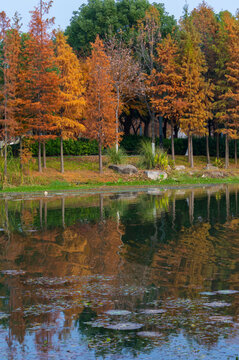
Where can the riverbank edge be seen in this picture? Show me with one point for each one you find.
(115, 187)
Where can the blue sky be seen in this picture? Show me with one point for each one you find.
(62, 9)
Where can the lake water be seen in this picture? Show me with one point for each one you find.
(151, 274)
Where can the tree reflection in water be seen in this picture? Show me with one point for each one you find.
(66, 260)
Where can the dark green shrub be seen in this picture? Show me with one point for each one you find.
(131, 144)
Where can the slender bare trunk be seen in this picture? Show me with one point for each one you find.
(5, 118)
(153, 133)
(189, 149)
(226, 152)
(39, 157)
(218, 146)
(5, 160)
(62, 157)
(6, 138)
(192, 162)
(100, 157)
(21, 165)
(117, 121)
(236, 151)
(44, 155)
(207, 147)
(172, 142)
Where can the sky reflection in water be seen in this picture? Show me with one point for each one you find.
(120, 276)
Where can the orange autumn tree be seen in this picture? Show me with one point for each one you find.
(11, 44)
(101, 99)
(230, 98)
(165, 84)
(206, 23)
(196, 91)
(40, 81)
(72, 102)
(126, 77)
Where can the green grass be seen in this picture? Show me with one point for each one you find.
(55, 182)
(183, 180)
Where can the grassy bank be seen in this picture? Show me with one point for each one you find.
(82, 173)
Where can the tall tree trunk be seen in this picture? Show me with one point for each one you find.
(172, 142)
(236, 151)
(5, 118)
(6, 139)
(5, 160)
(218, 146)
(191, 148)
(21, 165)
(44, 155)
(100, 157)
(165, 122)
(207, 148)
(226, 152)
(153, 132)
(117, 121)
(161, 131)
(62, 157)
(39, 157)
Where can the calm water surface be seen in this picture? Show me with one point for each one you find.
(133, 275)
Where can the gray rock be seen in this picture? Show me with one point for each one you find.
(124, 169)
(156, 174)
(214, 174)
(180, 167)
(211, 167)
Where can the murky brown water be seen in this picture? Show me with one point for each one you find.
(148, 275)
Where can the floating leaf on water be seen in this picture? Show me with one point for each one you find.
(153, 311)
(124, 326)
(95, 324)
(223, 319)
(208, 293)
(154, 192)
(227, 292)
(4, 316)
(151, 334)
(118, 312)
(217, 304)
(13, 272)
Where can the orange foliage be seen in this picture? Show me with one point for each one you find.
(100, 98)
(71, 89)
(166, 86)
(231, 96)
(40, 81)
